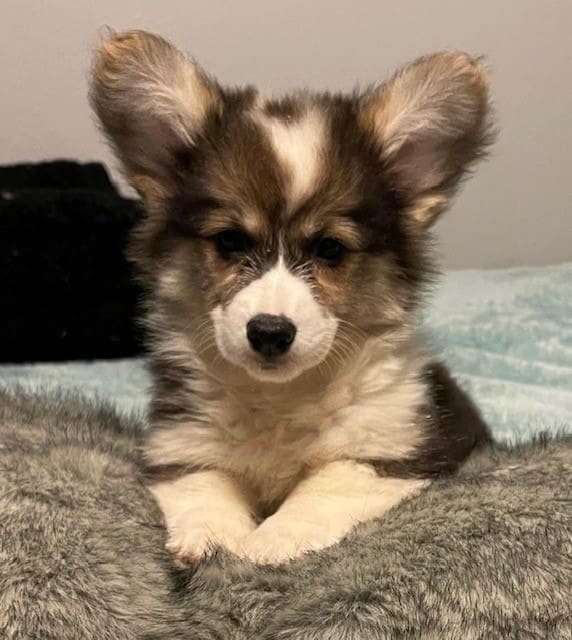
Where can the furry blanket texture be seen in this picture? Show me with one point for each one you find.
(487, 554)
(70, 291)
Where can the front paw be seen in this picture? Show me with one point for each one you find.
(278, 540)
(194, 536)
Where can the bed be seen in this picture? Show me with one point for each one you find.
(486, 554)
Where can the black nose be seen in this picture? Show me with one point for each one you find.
(270, 335)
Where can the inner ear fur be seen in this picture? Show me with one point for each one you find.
(430, 122)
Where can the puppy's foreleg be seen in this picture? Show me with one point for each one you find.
(323, 508)
(203, 511)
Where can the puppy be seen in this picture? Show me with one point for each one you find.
(285, 250)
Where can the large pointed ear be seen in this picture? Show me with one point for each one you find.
(152, 102)
(430, 123)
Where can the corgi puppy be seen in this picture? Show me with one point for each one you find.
(285, 249)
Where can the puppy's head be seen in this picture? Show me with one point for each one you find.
(279, 233)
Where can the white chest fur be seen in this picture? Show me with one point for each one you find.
(267, 438)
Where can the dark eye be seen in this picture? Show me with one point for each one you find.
(232, 241)
(329, 250)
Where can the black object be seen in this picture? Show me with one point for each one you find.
(270, 335)
(67, 289)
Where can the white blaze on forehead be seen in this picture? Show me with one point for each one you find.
(299, 145)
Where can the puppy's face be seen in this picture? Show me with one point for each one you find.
(281, 233)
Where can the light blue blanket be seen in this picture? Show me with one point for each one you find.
(506, 334)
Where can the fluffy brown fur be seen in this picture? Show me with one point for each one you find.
(303, 222)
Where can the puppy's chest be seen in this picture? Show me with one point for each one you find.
(270, 447)
(268, 451)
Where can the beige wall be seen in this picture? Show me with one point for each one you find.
(515, 211)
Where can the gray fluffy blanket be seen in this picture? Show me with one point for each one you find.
(485, 555)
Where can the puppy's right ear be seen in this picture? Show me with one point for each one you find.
(152, 102)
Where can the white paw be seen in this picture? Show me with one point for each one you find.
(196, 534)
(278, 540)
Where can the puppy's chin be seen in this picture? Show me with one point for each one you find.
(281, 371)
(274, 373)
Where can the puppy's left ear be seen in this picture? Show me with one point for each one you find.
(430, 123)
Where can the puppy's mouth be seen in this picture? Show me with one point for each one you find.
(281, 368)
(266, 365)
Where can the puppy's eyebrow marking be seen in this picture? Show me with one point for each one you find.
(222, 219)
(299, 145)
(341, 227)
